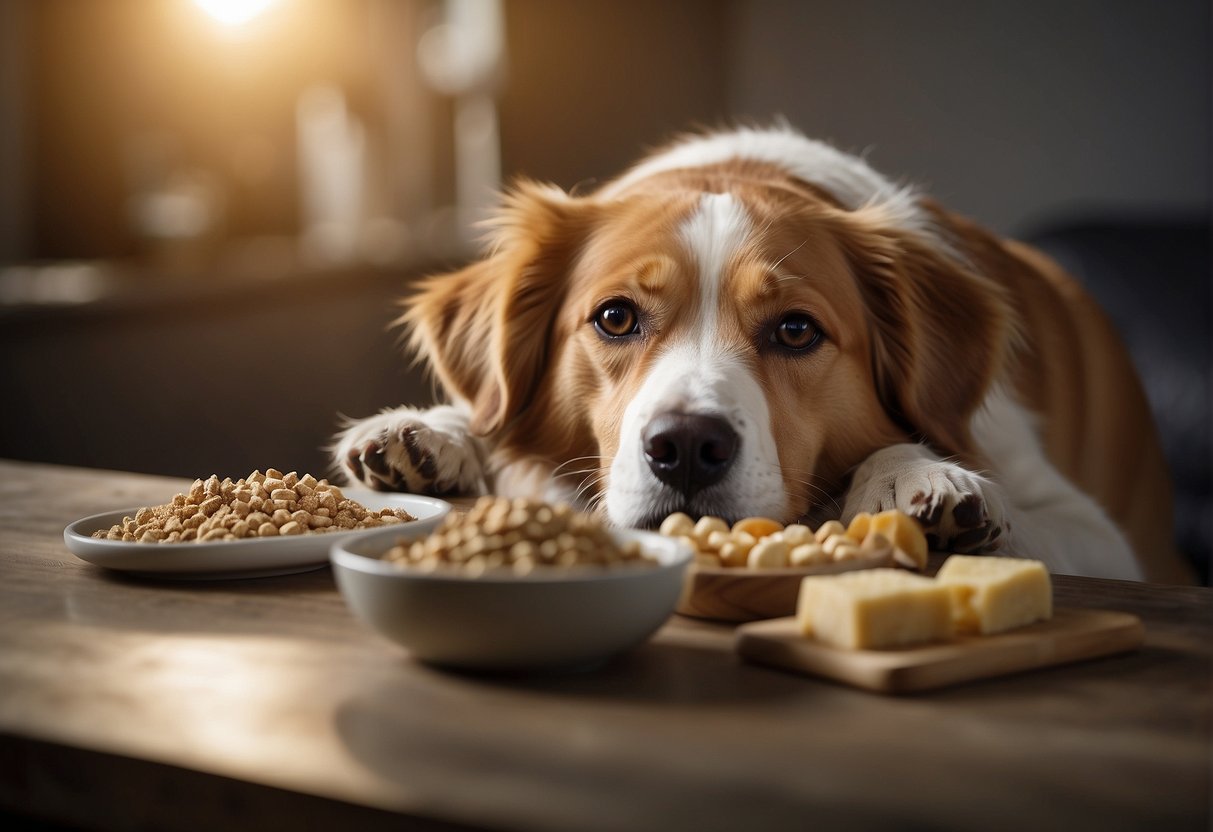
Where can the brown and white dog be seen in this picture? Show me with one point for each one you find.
(755, 323)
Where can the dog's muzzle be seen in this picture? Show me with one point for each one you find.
(689, 451)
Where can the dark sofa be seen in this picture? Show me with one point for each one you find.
(1153, 277)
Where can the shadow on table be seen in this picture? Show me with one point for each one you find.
(304, 604)
(313, 579)
(569, 733)
(657, 672)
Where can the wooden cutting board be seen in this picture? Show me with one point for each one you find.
(722, 594)
(1071, 635)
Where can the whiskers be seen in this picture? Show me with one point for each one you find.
(585, 478)
(592, 476)
(816, 494)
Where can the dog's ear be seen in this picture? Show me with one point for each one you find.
(485, 330)
(941, 331)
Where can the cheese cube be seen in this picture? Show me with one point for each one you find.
(909, 542)
(861, 524)
(995, 594)
(874, 608)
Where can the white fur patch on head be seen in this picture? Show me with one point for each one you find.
(700, 374)
(713, 235)
(844, 175)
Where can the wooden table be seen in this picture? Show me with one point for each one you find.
(264, 704)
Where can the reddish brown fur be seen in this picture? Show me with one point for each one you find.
(915, 338)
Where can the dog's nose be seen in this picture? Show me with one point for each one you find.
(689, 451)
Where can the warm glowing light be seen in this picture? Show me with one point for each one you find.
(234, 12)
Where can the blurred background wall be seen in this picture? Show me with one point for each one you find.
(208, 207)
(1014, 113)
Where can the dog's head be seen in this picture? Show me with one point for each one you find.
(725, 339)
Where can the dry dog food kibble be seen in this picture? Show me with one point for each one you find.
(762, 543)
(500, 534)
(260, 505)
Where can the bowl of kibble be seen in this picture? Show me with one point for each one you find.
(513, 585)
(267, 523)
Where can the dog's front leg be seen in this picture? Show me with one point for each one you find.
(960, 511)
(424, 451)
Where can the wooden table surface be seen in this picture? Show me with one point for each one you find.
(262, 703)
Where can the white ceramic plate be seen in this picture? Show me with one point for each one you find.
(252, 558)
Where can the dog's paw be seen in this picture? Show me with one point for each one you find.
(421, 451)
(959, 511)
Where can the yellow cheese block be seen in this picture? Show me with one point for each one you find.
(861, 524)
(993, 594)
(874, 608)
(909, 542)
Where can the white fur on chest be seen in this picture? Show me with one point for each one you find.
(1052, 520)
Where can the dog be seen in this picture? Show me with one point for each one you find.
(751, 322)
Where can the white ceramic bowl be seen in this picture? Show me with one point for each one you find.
(550, 618)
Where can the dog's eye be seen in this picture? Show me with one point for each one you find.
(616, 319)
(796, 331)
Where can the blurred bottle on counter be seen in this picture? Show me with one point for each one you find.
(343, 211)
(176, 209)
